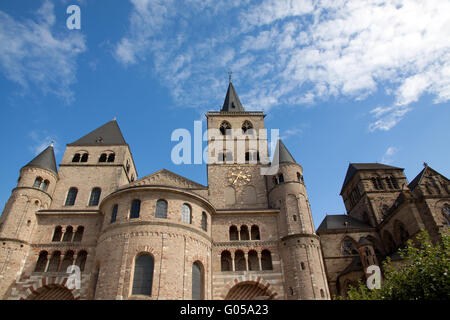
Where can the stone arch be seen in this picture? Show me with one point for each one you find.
(248, 287)
(51, 292)
(48, 288)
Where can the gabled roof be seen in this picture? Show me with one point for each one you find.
(341, 222)
(353, 167)
(232, 102)
(167, 178)
(427, 170)
(282, 154)
(108, 134)
(45, 160)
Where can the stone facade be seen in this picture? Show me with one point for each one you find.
(244, 236)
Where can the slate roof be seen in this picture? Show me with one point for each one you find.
(353, 167)
(282, 154)
(108, 134)
(45, 160)
(337, 222)
(232, 102)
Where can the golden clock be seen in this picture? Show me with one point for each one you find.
(239, 176)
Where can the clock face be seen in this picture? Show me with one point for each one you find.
(239, 176)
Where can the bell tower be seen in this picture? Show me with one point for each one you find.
(92, 167)
(300, 249)
(34, 192)
(234, 155)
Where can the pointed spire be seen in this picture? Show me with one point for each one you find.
(282, 154)
(108, 134)
(232, 102)
(45, 160)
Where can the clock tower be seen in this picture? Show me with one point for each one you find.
(235, 156)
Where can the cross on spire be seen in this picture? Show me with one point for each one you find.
(230, 73)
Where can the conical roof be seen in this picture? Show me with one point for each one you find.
(45, 160)
(232, 102)
(282, 154)
(108, 134)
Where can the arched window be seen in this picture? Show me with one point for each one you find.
(226, 261)
(246, 126)
(135, 209)
(44, 185)
(198, 281)
(114, 213)
(143, 275)
(71, 196)
(161, 209)
(81, 260)
(128, 166)
(374, 182)
(322, 293)
(41, 262)
(299, 177)
(76, 157)
(78, 234)
(55, 260)
(244, 233)
(85, 157)
(103, 157)
(67, 261)
(234, 235)
(266, 260)
(225, 127)
(111, 157)
(204, 221)
(280, 178)
(253, 262)
(95, 197)
(57, 235)
(68, 234)
(302, 265)
(37, 182)
(291, 291)
(132, 178)
(348, 247)
(186, 213)
(380, 184)
(255, 233)
(239, 261)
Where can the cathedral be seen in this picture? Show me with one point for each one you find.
(243, 236)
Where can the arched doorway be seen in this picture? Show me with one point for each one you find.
(52, 292)
(249, 291)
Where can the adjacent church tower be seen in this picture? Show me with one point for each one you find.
(34, 191)
(300, 249)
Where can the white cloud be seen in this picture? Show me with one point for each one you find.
(31, 53)
(389, 154)
(41, 140)
(297, 52)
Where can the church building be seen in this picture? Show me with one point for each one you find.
(243, 236)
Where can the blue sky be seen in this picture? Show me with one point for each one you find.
(344, 81)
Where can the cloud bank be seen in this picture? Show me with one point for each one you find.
(296, 52)
(31, 53)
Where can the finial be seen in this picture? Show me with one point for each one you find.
(114, 119)
(425, 164)
(229, 75)
(52, 143)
